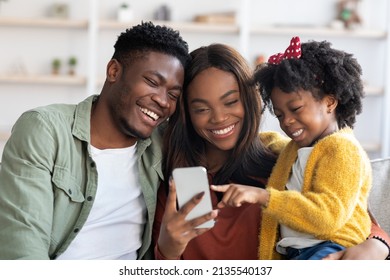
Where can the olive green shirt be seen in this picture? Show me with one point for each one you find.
(48, 181)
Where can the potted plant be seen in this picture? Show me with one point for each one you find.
(55, 66)
(125, 13)
(2, 1)
(72, 62)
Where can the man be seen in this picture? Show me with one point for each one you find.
(80, 181)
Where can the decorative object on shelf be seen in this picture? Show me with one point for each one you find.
(337, 24)
(348, 13)
(55, 66)
(163, 13)
(18, 68)
(260, 59)
(5, 133)
(59, 10)
(2, 1)
(224, 18)
(72, 62)
(125, 13)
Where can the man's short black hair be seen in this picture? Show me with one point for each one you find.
(146, 37)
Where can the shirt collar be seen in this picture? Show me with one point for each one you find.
(82, 119)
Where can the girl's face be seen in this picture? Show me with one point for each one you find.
(215, 108)
(304, 118)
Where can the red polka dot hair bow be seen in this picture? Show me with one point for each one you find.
(293, 51)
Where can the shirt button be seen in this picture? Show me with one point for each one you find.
(93, 164)
(89, 198)
(70, 191)
(76, 230)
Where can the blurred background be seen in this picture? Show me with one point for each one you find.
(57, 51)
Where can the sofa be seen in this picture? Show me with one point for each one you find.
(379, 200)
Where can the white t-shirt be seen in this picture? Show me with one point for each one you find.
(290, 237)
(114, 228)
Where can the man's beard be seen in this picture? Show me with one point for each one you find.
(131, 132)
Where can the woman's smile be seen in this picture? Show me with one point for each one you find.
(223, 132)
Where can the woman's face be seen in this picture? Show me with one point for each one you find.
(215, 108)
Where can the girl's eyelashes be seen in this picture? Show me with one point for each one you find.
(296, 108)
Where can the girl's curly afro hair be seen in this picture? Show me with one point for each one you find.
(321, 70)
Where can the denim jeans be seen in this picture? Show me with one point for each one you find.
(316, 252)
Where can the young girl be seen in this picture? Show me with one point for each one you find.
(315, 202)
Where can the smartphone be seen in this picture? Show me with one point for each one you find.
(189, 182)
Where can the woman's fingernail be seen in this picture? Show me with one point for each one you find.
(199, 195)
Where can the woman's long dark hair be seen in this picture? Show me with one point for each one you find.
(249, 160)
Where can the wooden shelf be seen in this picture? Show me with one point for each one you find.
(4, 135)
(318, 31)
(43, 22)
(93, 24)
(371, 147)
(264, 30)
(44, 79)
(374, 91)
(181, 26)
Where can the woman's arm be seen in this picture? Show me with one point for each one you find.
(370, 249)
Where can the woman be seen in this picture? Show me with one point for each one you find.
(216, 125)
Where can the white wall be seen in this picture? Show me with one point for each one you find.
(35, 47)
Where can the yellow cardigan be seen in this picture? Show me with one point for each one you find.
(333, 202)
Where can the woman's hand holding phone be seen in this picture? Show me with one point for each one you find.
(176, 229)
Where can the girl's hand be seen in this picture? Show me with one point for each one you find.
(176, 232)
(235, 195)
(370, 249)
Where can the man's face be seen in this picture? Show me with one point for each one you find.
(146, 94)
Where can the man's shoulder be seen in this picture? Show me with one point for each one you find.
(54, 109)
(54, 117)
(60, 112)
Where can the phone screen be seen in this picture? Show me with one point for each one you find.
(189, 182)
